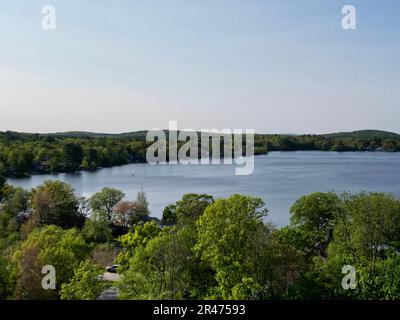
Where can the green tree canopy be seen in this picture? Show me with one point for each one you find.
(5, 278)
(139, 237)
(365, 236)
(2, 181)
(105, 200)
(313, 216)
(97, 228)
(86, 284)
(187, 210)
(226, 239)
(142, 206)
(54, 202)
(51, 245)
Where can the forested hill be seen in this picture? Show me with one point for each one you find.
(12, 135)
(26, 153)
(365, 134)
(84, 134)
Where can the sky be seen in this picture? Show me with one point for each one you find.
(280, 66)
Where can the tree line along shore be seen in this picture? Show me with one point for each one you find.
(23, 154)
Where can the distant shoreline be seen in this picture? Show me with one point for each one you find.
(39, 173)
(23, 154)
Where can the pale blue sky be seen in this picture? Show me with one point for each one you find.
(273, 66)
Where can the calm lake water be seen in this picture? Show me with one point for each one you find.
(279, 178)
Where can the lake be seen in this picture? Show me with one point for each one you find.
(279, 178)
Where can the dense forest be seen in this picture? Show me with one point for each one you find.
(23, 154)
(203, 248)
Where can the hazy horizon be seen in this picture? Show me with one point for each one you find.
(182, 129)
(272, 66)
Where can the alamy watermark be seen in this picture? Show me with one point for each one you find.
(206, 150)
(49, 21)
(349, 280)
(349, 20)
(49, 280)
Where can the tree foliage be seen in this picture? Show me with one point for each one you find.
(105, 200)
(220, 249)
(86, 283)
(51, 245)
(97, 228)
(54, 202)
